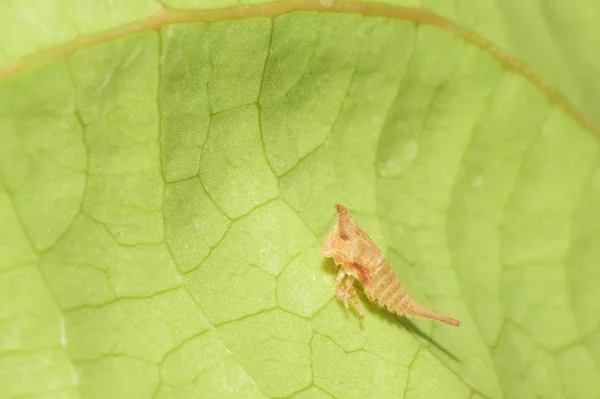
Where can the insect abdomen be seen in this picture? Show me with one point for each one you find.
(386, 290)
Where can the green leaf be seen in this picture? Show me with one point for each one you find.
(164, 195)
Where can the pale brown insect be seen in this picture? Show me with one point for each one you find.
(359, 258)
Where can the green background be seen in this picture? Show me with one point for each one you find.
(163, 199)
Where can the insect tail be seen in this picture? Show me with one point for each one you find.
(419, 311)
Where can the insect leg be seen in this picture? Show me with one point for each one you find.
(351, 294)
(339, 288)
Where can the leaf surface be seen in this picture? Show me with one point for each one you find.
(164, 196)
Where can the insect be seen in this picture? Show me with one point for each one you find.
(360, 259)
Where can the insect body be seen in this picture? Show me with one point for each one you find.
(360, 259)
